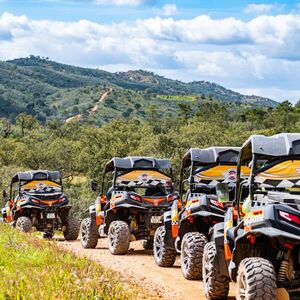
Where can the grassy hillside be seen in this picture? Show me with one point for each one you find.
(35, 269)
(49, 90)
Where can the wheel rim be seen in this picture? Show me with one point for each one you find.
(185, 257)
(112, 237)
(242, 287)
(206, 270)
(158, 245)
(84, 232)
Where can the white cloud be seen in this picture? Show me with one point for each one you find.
(169, 10)
(259, 8)
(261, 54)
(120, 2)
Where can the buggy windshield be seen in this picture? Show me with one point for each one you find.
(41, 187)
(142, 178)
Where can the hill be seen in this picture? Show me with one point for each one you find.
(49, 89)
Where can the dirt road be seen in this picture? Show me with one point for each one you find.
(91, 110)
(138, 265)
(101, 99)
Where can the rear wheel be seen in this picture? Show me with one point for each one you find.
(216, 286)
(118, 237)
(24, 224)
(88, 234)
(72, 231)
(256, 280)
(191, 255)
(164, 256)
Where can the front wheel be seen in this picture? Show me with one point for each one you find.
(118, 237)
(24, 224)
(88, 234)
(72, 231)
(191, 255)
(256, 279)
(216, 286)
(163, 256)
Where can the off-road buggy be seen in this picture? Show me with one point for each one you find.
(37, 199)
(188, 229)
(258, 245)
(132, 207)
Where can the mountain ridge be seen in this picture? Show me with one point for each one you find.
(49, 89)
(143, 76)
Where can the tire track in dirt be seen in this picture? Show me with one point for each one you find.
(138, 265)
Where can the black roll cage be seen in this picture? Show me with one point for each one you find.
(19, 179)
(193, 167)
(254, 170)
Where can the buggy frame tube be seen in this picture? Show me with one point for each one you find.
(102, 183)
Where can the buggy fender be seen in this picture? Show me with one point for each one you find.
(174, 219)
(92, 213)
(92, 209)
(167, 218)
(272, 233)
(218, 238)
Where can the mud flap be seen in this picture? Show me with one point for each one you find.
(168, 227)
(101, 231)
(99, 214)
(219, 243)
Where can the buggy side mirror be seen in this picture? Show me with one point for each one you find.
(94, 186)
(4, 195)
(222, 192)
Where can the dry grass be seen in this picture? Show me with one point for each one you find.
(31, 268)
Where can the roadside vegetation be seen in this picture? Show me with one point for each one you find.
(31, 268)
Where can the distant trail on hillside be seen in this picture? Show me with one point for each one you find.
(101, 99)
(91, 110)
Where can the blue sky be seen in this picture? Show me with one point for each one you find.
(249, 46)
(72, 10)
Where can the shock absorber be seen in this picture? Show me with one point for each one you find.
(283, 272)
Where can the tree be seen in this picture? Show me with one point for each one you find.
(26, 122)
(285, 116)
(5, 128)
(185, 111)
